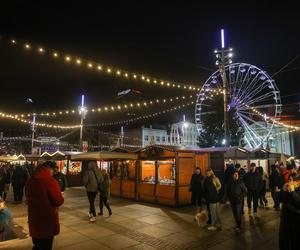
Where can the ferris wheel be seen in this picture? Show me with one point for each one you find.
(252, 98)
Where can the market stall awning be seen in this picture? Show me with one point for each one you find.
(104, 156)
(12, 157)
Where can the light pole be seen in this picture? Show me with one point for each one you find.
(32, 132)
(223, 56)
(122, 136)
(82, 111)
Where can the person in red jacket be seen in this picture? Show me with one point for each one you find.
(43, 198)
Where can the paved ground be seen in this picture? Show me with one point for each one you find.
(136, 225)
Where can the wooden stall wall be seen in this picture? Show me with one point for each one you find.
(129, 180)
(115, 186)
(165, 194)
(186, 168)
(202, 162)
(147, 192)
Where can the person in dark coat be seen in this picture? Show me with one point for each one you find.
(263, 202)
(211, 188)
(59, 177)
(253, 182)
(4, 182)
(43, 198)
(228, 180)
(290, 214)
(196, 189)
(104, 193)
(236, 192)
(18, 179)
(242, 173)
(276, 184)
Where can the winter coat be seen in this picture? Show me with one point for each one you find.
(20, 176)
(61, 179)
(211, 187)
(105, 190)
(91, 178)
(228, 174)
(5, 219)
(236, 192)
(285, 174)
(196, 187)
(289, 220)
(276, 180)
(253, 181)
(4, 179)
(242, 173)
(43, 198)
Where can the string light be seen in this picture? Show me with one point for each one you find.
(38, 124)
(109, 70)
(142, 117)
(113, 108)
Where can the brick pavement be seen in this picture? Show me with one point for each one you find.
(136, 225)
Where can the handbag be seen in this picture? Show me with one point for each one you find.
(99, 183)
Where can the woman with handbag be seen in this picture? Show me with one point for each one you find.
(91, 180)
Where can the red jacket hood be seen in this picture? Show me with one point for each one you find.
(41, 173)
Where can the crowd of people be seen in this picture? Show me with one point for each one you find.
(253, 184)
(44, 186)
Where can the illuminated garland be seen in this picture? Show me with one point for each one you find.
(273, 120)
(112, 71)
(38, 124)
(110, 108)
(142, 117)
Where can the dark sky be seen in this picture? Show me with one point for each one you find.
(169, 41)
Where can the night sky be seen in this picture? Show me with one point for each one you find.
(168, 41)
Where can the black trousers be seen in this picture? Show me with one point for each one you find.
(18, 192)
(92, 196)
(275, 196)
(237, 213)
(252, 196)
(42, 244)
(262, 197)
(104, 200)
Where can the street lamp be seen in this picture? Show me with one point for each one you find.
(224, 56)
(33, 132)
(82, 111)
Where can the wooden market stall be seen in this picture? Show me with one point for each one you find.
(165, 172)
(120, 166)
(12, 158)
(265, 158)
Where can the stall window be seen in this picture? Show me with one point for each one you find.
(166, 172)
(148, 172)
(115, 170)
(75, 167)
(128, 170)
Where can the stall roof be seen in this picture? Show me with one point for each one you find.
(12, 157)
(126, 149)
(104, 155)
(201, 150)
